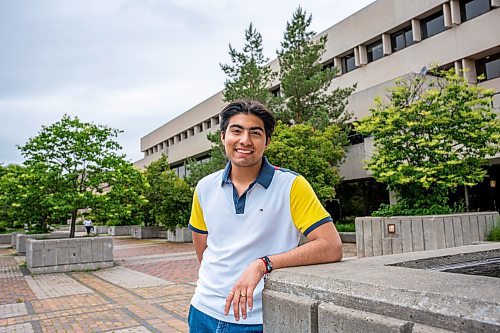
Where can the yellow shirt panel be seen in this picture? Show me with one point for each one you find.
(197, 221)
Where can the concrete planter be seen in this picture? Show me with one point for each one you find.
(120, 230)
(421, 233)
(145, 232)
(180, 235)
(101, 229)
(13, 238)
(5, 239)
(68, 254)
(21, 239)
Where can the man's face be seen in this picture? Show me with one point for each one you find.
(244, 140)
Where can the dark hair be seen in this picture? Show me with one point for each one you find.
(247, 106)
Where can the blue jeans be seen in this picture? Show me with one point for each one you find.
(200, 322)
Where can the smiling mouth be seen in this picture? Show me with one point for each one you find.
(243, 151)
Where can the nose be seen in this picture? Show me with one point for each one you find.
(245, 138)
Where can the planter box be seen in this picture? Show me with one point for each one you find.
(101, 229)
(5, 239)
(68, 254)
(180, 235)
(348, 237)
(120, 230)
(145, 232)
(13, 238)
(22, 238)
(421, 233)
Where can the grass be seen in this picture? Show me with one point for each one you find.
(345, 227)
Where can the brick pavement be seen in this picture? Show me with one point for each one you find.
(149, 291)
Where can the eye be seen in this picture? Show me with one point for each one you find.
(235, 130)
(255, 133)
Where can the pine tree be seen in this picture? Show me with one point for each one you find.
(305, 83)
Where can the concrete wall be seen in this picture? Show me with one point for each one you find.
(120, 230)
(421, 233)
(145, 232)
(69, 254)
(180, 235)
(21, 239)
(377, 294)
(5, 239)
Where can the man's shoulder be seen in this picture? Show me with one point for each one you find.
(211, 179)
(285, 174)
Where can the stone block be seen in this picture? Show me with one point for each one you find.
(387, 246)
(97, 249)
(439, 233)
(13, 239)
(50, 254)
(5, 239)
(348, 237)
(397, 245)
(429, 233)
(107, 249)
(448, 232)
(489, 223)
(289, 313)
(406, 235)
(417, 233)
(85, 250)
(183, 235)
(474, 228)
(171, 235)
(377, 236)
(62, 252)
(333, 318)
(466, 231)
(360, 245)
(368, 237)
(74, 251)
(420, 328)
(457, 231)
(481, 221)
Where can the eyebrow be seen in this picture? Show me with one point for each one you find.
(251, 128)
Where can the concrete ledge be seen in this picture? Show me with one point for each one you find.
(5, 239)
(68, 254)
(120, 230)
(179, 235)
(22, 238)
(145, 232)
(101, 229)
(421, 233)
(289, 313)
(391, 295)
(348, 237)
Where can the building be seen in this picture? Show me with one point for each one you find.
(385, 40)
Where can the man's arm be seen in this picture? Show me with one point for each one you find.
(324, 246)
(200, 244)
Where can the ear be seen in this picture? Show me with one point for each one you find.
(268, 141)
(222, 136)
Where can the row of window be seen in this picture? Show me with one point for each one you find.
(183, 136)
(429, 26)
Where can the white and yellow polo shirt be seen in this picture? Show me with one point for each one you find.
(267, 219)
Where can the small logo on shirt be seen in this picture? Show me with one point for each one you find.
(261, 209)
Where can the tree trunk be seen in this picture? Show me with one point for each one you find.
(466, 194)
(73, 224)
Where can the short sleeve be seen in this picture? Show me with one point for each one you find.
(197, 221)
(307, 211)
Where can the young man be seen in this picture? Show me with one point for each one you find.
(246, 221)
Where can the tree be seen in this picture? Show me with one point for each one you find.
(124, 202)
(312, 153)
(79, 159)
(249, 77)
(169, 197)
(431, 136)
(305, 83)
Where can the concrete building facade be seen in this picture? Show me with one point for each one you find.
(374, 46)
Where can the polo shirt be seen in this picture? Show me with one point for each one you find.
(266, 219)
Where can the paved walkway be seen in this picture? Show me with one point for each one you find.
(148, 290)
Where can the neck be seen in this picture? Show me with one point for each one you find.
(245, 174)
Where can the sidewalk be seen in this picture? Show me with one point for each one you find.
(148, 290)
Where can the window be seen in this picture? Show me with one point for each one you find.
(276, 91)
(375, 51)
(191, 131)
(489, 66)
(208, 123)
(200, 128)
(472, 8)
(184, 135)
(432, 25)
(348, 63)
(401, 39)
(329, 66)
(217, 120)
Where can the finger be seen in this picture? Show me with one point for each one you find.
(243, 306)
(229, 299)
(236, 307)
(250, 298)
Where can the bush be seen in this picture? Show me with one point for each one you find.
(494, 235)
(345, 227)
(403, 208)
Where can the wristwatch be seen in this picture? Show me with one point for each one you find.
(267, 263)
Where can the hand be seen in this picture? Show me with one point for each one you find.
(241, 293)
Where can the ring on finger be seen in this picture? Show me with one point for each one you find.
(231, 293)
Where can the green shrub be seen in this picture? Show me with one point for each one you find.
(3, 229)
(403, 208)
(345, 227)
(494, 235)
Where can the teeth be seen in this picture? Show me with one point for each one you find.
(243, 151)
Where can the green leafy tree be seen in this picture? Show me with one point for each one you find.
(169, 197)
(78, 158)
(305, 84)
(431, 136)
(313, 153)
(248, 76)
(124, 202)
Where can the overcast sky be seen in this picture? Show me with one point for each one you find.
(127, 64)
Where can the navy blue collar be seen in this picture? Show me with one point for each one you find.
(264, 178)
